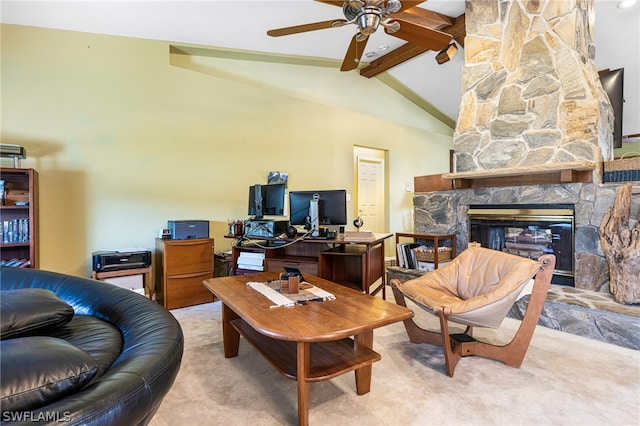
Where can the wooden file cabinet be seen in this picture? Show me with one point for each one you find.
(182, 266)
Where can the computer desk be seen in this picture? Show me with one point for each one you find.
(355, 264)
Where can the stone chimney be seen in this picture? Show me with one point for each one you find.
(531, 94)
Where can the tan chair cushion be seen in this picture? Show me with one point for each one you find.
(478, 287)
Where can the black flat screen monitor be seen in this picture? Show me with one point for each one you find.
(332, 205)
(268, 201)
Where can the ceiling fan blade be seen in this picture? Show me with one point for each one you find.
(422, 36)
(354, 53)
(306, 27)
(338, 3)
(409, 4)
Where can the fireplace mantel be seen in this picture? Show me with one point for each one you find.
(542, 174)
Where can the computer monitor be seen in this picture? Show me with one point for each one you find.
(331, 207)
(266, 200)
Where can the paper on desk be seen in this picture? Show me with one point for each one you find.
(271, 294)
(318, 292)
(280, 299)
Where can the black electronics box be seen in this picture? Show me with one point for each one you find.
(188, 229)
(265, 228)
(104, 261)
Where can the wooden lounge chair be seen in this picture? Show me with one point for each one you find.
(477, 289)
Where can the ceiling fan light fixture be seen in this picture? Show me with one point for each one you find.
(368, 22)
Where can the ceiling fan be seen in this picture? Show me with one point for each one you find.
(393, 15)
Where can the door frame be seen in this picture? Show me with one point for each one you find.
(376, 155)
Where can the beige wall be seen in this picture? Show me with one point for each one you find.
(126, 136)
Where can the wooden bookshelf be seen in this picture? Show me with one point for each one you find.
(19, 217)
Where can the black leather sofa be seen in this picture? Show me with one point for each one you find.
(136, 344)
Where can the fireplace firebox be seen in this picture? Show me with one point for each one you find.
(528, 230)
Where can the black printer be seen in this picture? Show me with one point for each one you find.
(104, 261)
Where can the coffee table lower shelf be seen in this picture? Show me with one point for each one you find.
(327, 360)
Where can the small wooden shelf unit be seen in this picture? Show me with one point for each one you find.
(147, 277)
(436, 238)
(327, 360)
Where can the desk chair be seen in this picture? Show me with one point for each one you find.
(478, 288)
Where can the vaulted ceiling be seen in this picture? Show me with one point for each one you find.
(243, 25)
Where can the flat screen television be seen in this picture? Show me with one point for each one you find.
(332, 207)
(613, 83)
(266, 200)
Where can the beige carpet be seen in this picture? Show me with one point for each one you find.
(564, 380)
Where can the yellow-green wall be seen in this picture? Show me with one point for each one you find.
(627, 150)
(126, 135)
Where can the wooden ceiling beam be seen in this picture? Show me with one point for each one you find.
(391, 59)
(457, 30)
(425, 18)
(408, 51)
(408, 4)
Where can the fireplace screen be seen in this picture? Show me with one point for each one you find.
(529, 231)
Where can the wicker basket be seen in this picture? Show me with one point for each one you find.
(622, 170)
(632, 163)
(422, 255)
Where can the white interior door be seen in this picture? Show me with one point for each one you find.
(371, 194)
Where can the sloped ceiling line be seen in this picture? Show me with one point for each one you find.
(245, 55)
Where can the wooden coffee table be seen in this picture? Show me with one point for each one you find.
(307, 343)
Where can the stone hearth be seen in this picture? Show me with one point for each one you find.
(588, 314)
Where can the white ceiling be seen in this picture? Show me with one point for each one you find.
(242, 24)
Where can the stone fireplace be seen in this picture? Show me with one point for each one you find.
(532, 104)
(531, 93)
(587, 309)
(534, 127)
(446, 212)
(527, 230)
